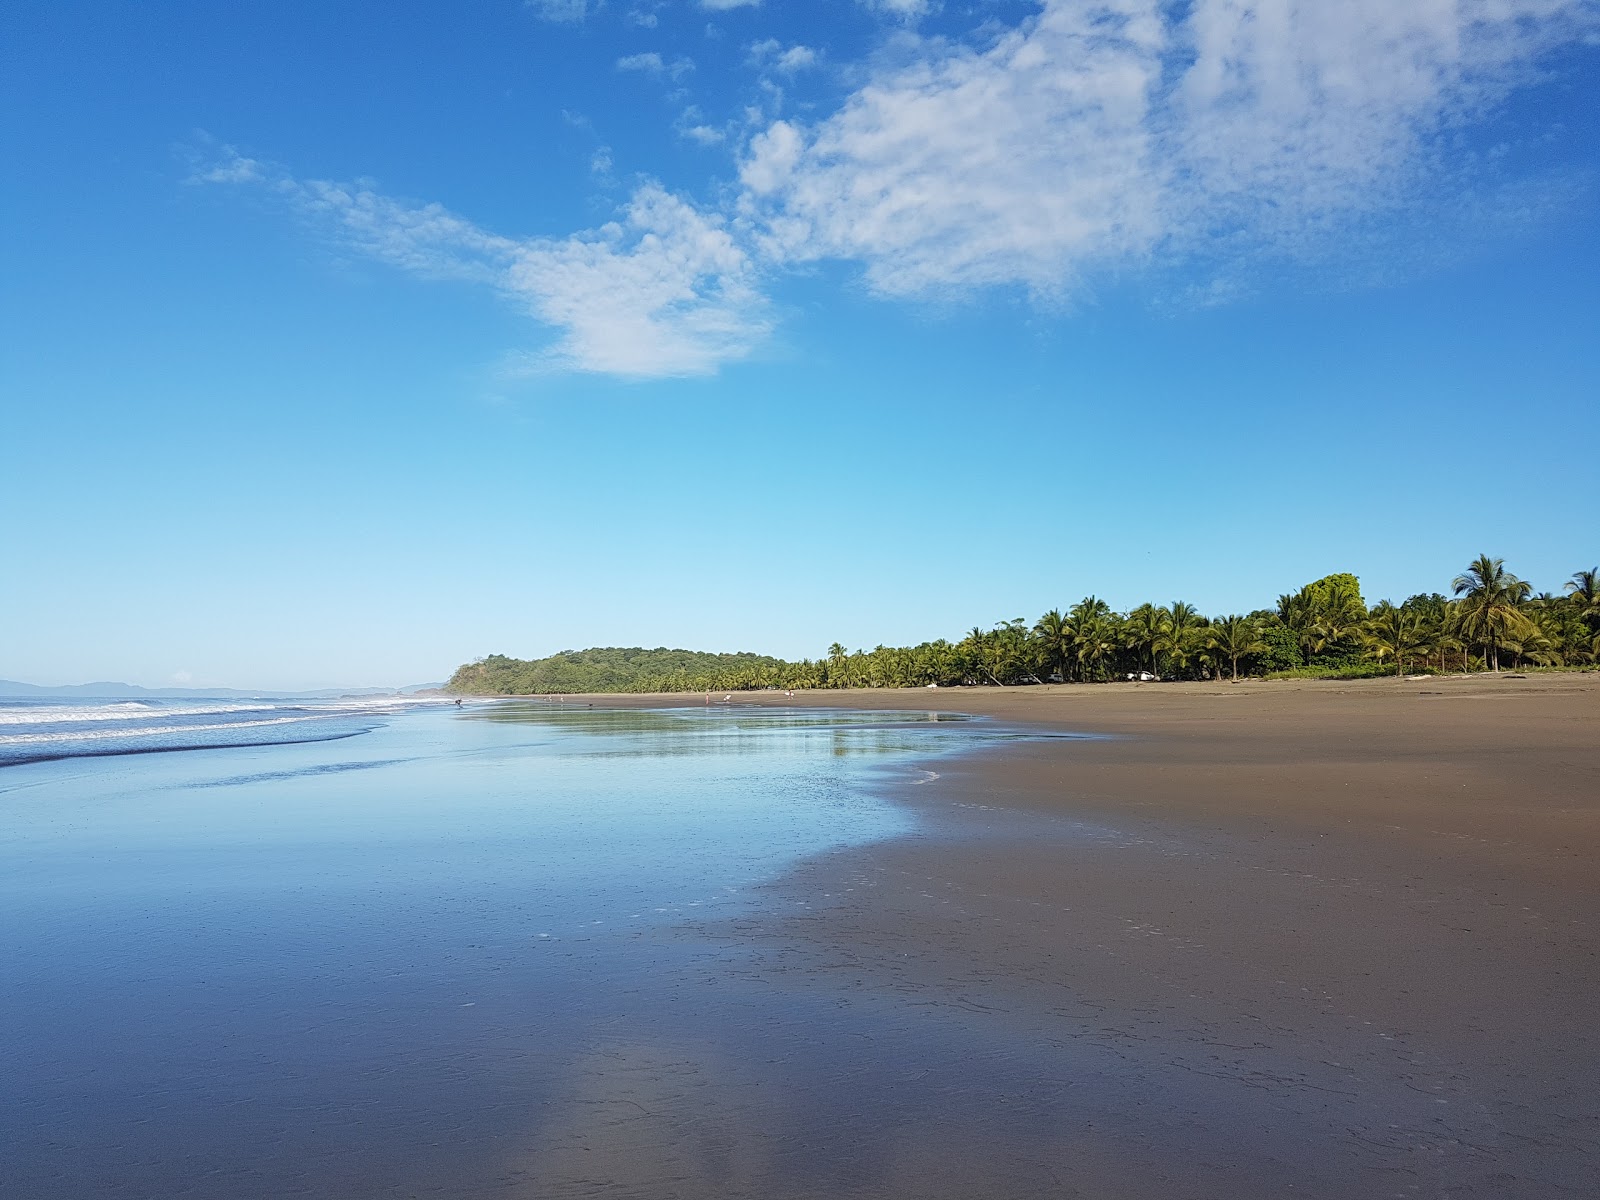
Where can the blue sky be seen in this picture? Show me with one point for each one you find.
(345, 343)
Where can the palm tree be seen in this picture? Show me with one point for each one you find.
(1392, 632)
(836, 665)
(1178, 633)
(1545, 637)
(1086, 624)
(1297, 614)
(1144, 628)
(1055, 642)
(1098, 640)
(1437, 620)
(1233, 637)
(975, 647)
(1584, 587)
(1584, 595)
(1492, 598)
(1337, 624)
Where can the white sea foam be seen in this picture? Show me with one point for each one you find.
(90, 735)
(132, 711)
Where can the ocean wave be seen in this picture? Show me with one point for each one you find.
(131, 711)
(97, 735)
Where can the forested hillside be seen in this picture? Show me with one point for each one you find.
(1491, 620)
(610, 669)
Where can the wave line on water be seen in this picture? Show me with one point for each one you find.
(131, 711)
(32, 739)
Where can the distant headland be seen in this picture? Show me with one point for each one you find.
(1325, 630)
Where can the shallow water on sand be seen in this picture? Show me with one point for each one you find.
(406, 961)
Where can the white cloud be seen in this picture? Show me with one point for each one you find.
(796, 57)
(651, 63)
(771, 51)
(725, 5)
(1096, 137)
(665, 290)
(904, 9)
(704, 134)
(562, 10)
(1017, 163)
(691, 124)
(230, 168)
(1112, 133)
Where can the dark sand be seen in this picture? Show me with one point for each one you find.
(1265, 940)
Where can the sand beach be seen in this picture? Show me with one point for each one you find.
(1327, 939)
(1188, 941)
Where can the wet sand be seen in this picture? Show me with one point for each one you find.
(1331, 939)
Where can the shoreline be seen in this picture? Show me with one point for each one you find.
(1342, 938)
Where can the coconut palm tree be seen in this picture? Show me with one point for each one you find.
(1394, 632)
(1089, 624)
(1233, 637)
(1491, 602)
(1054, 636)
(1338, 624)
(1547, 633)
(1298, 615)
(1178, 633)
(1098, 641)
(1143, 629)
(1584, 587)
(1583, 593)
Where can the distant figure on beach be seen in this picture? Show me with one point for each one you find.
(458, 702)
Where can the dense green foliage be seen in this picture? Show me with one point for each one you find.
(610, 670)
(1324, 630)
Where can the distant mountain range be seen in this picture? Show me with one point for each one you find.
(10, 688)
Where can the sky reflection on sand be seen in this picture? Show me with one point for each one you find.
(356, 966)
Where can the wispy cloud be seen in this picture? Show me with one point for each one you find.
(771, 52)
(904, 9)
(651, 63)
(563, 10)
(1093, 137)
(1014, 164)
(725, 5)
(1109, 134)
(665, 290)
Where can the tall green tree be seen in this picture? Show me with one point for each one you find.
(1394, 633)
(1584, 588)
(1491, 605)
(1095, 636)
(1180, 632)
(1234, 637)
(1054, 636)
(1583, 591)
(1143, 630)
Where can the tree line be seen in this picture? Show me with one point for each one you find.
(1491, 620)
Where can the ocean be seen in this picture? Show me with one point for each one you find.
(33, 730)
(376, 948)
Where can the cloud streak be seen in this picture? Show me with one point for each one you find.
(665, 290)
(1094, 137)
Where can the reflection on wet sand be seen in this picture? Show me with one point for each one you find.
(542, 953)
